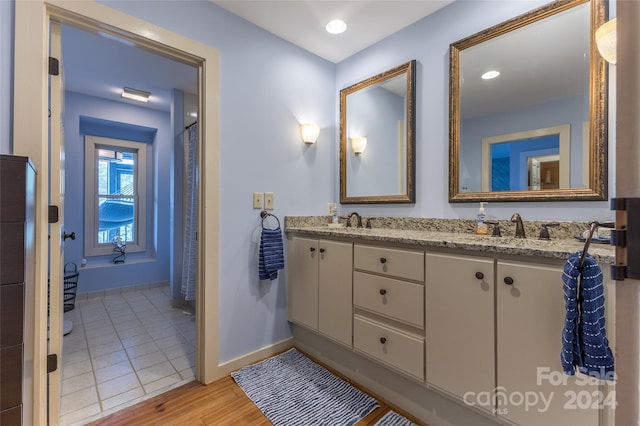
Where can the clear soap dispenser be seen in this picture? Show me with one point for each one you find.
(481, 226)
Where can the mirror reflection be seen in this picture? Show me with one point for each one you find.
(528, 109)
(377, 138)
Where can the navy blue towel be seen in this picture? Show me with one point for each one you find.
(271, 256)
(584, 338)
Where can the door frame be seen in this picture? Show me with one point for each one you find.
(30, 131)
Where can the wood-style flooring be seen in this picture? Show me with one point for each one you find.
(219, 403)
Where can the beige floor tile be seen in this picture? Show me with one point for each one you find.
(102, 340)
(122, 398)
(188, 374)
(109, 359)
(113, 371)
(74, 357)
(79, 399)
(116, 386)
(184, 362)
(156, 372)
(161, 333)
(162, 383)
(148, 360)
(176, 351)
(106, 348)
(138, 351)
(130, 330)
(77, 416)
(137, 340)
(71, 370)
(78, 382)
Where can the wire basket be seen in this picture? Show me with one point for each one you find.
(71, 275)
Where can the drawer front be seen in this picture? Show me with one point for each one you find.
(12, 249)
(399, 350)
(11, 416)
(407, 264)
(396, 299)
(10, 377)
(11, 314)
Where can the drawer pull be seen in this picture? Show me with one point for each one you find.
(312, 249)
(321, 250)
(508, 280)
(479, 275)
(383, 291)
(383, 340)
(383, 260)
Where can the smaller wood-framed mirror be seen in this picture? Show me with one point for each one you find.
(377, 138)
(538, 131)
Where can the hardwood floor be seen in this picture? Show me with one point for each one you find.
(220, 403)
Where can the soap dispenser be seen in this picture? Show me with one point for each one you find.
(481, 226)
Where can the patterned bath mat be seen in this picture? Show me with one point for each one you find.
(394, 419)
(290, 389)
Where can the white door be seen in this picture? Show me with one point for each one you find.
(534, 173)
(56, 230)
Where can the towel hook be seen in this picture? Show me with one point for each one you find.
(264, 214)
(592, 228)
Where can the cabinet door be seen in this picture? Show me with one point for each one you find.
(303, 281)
(335, 311)
(460, 324)
(530, 317)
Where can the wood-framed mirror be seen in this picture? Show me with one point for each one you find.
(537, 131)
(377, 138)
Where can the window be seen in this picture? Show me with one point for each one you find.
(115, 194)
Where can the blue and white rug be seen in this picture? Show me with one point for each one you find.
(290, 389)
(394, 419)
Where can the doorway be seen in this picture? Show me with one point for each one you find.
(30, 95)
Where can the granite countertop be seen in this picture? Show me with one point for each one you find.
(559, 247)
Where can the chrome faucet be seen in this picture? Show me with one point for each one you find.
(519, 226)
(359, 219)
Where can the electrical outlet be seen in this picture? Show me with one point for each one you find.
(329, 208)
(257, 200)
(268, 200)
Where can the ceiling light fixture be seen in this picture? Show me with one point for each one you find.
(135, 95)
(490, 74)
(336, 26)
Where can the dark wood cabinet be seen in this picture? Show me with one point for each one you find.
(17, 191)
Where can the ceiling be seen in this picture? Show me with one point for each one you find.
(302, 22)
(101, 65)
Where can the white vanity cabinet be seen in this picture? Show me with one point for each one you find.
(388, 298)
(320, 286)
(529, 319)
(460, 324)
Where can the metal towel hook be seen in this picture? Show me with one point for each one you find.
(265, 214)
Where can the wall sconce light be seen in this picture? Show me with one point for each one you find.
(135, 94)
(358, 145)
(606, 40)
(310, 133)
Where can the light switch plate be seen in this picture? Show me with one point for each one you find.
(257, 200)
(268, 200)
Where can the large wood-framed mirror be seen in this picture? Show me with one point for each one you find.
(377, 138)
(537, 131)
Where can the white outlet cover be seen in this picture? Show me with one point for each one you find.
(257, 200)
(268, 200)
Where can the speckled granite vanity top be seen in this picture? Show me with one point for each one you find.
(458, 234)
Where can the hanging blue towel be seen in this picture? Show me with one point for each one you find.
(584, 338)
(271, 256)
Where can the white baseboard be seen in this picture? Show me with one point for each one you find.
(253, 357)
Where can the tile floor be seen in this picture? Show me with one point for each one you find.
(123, 349)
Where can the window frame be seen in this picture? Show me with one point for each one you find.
(92, 145)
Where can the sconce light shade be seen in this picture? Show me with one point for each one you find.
(358, 145)
(310, 133)
(606, 40)
(135, 94)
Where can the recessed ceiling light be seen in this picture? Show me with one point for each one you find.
(490, 74)
(337, 26)
(135, 94)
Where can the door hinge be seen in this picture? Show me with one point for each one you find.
(53, 214)
(628, 239)
(54, 66)
(52, 363)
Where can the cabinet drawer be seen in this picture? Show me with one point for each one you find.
(11, 314)
(399, 350)
(11, 416)
(407, 264)
(10, 377)
(12, 249)
(392, 298)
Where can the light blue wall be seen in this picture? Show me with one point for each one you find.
(6, 76)
(268, 87)
(428, 41)
(139, 268)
